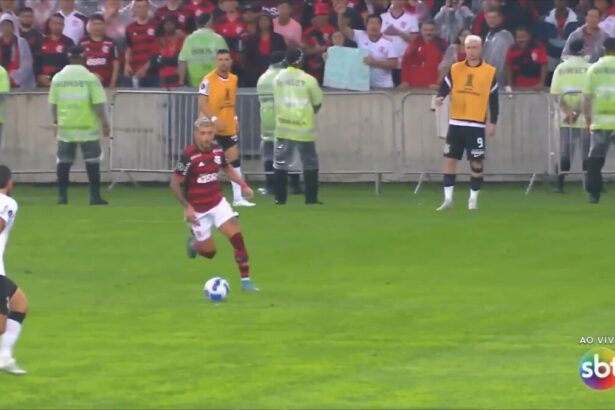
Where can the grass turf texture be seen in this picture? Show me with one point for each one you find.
(367, 302)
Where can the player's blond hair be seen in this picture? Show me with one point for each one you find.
(203, 122)
(473, 39)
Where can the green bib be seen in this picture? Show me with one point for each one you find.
(295, 94)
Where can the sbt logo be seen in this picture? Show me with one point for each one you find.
(597, 368)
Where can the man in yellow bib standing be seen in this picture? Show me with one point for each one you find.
(217, 101)
(473, 88)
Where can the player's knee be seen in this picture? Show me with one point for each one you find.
(209, 254)
(18, 303)
(236, 163)
(18, 317)
(476, 167)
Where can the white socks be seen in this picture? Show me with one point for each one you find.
(9, 338)
(448, 193)
(474, 195)
(237, 194)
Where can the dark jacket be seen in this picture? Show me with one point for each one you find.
(548, 34)
(255, 63)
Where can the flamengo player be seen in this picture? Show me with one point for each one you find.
(197, 187)
(13, 302)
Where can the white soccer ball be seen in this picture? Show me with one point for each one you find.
(217, 289)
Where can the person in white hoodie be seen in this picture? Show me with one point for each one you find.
(15, 55)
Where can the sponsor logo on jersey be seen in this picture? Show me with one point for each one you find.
(93, 62)
(207, 178)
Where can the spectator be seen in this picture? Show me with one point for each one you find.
(554, 30)
(116, 21)
(140, 43)
(101, 55)
(398, 25)
(351, 15)
(452, 18)
(9, 8)
(200, 7)
(287, 26)
(169, 45)
(607, 16)
(317, 39)
(480, 26)
(526, 62)
(15, 55)
(581, 7)
(519, 13)
(381, 57)
(52, 56)
(250, 14)
(454, 53)
(182, 13)
(419, 9)
(198, 54)
(27, 29)
(231, 26)
(593, 37)
(258, 49)
(75, 23)
(422, 58)
(43, 10)
(376, 6)
(497, 43)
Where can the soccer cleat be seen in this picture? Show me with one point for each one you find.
(264, 191)
(594, 199)
(98, 201)
(243, 203)
(472, 204)
(190, 251)
(62, 200)
(317, 202)
(10, 366)
(248, 286)
(446, 205)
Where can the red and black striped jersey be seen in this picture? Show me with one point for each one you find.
(167, 50)
(198, 7)
(141, 39)
(184, 15)
(232, 31)
(52, 55)
(200, 171)
(99, 58)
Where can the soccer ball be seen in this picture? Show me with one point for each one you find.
(217, 289)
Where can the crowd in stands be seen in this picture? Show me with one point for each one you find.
(410, 43)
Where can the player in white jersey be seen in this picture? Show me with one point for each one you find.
(381, 57)
(398, 25)
(8, 212)
(13, 302)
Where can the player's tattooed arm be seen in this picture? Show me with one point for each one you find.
(177, 188)
(235, 177)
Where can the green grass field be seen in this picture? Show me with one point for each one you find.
(367, 303)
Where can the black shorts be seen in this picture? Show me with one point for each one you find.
(7, 290)
(468, 139)
(226, 142)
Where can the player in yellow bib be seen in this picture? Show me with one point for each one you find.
(217, 101)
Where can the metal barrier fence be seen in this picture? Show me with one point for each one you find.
(520, 148)
(151, 129)
(361, 136)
